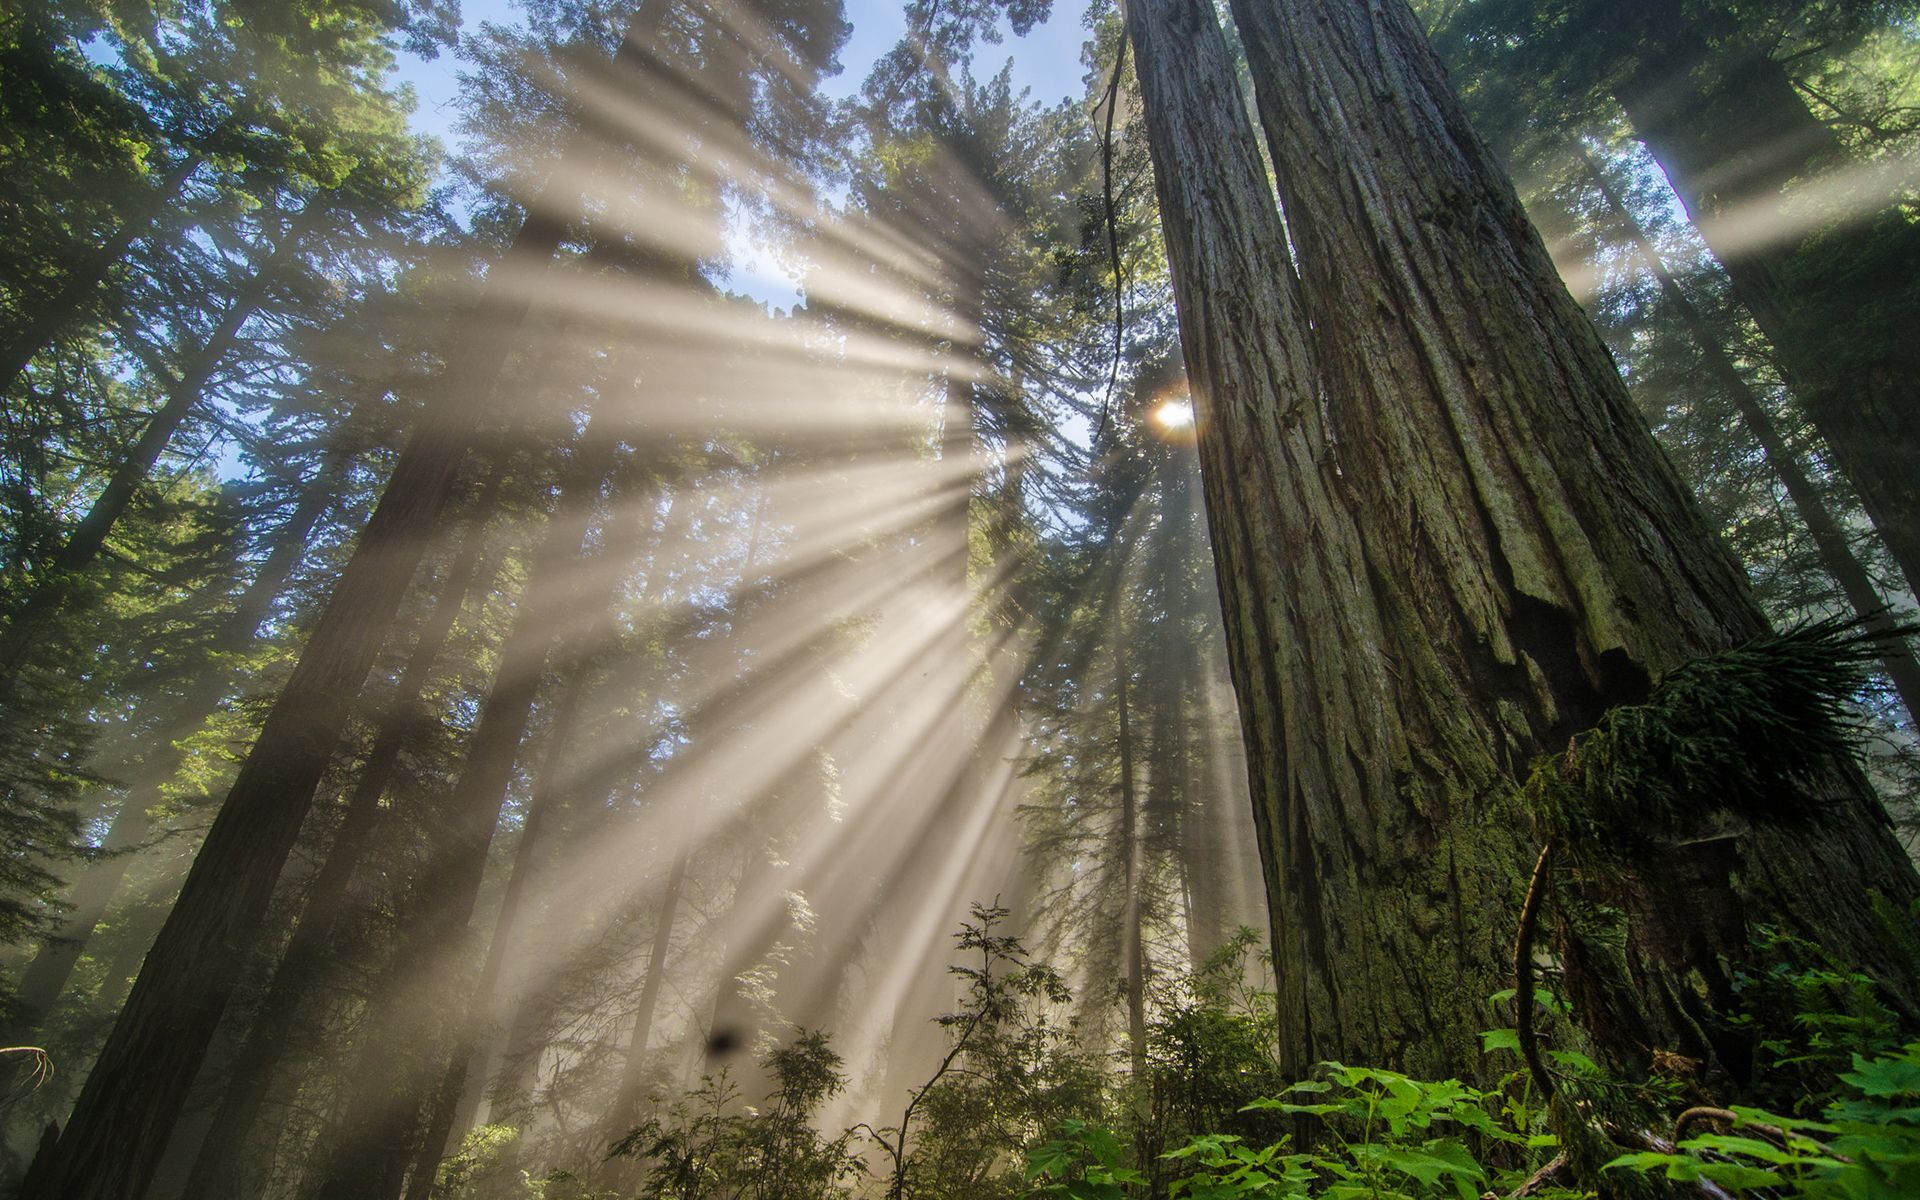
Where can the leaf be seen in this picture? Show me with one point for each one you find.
(1575, 1063)
(1735, 1175)
(1050, 1159)
(1892, 1076)
(1500, 1039)
(1643, 1160)
(1735, 1144)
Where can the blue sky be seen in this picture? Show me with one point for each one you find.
(1046, 62)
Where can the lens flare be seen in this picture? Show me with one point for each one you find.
(1175, 414)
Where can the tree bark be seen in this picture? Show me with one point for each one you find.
(217, 1172)
(1829, 539)
(127, 1108)
(1734, 136)
(1528, 557)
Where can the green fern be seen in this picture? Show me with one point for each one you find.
(1753, 731)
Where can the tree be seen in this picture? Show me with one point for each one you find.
(1445, 540)
(1837, 556)
(120, 1122)
(216, 1167)
(1820, 252)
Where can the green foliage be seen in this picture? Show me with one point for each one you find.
(1749, 731)
(1082, 1163)
(1809, 1020)
(1011, 1070)
(708, 1145)
(1375, 1133)
(1867, 1148)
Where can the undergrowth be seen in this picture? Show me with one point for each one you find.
(1022, 1110)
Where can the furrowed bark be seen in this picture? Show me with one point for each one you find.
(1306, 636)
(1535, 561)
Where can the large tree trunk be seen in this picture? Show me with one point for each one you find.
(1735, 137)
(373, 1144)
(1528, 559)
(44, 980)
(1829, 539)
(127, 1108)
(217, 1168)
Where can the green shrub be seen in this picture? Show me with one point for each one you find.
(1867, 1148)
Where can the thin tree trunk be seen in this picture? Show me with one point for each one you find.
(1734, 136)
(1128, 800)
(451, 1105)
(451, 1108)
(625, 1113)
(60, 310)
(374, 1142)
(217, 1168)
(126, 1110)
(44, 980)
(513, 1083)
(1829, 539)
(54, 588)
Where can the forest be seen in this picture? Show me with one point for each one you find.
(959, 599)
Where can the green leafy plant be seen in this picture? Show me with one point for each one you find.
(1082, 1162)
(1378, 1134)
(709, 1145)
(1867, 1148)
(1809, 1021)
(1011, 1070)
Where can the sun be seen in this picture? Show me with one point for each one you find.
(1174, 414)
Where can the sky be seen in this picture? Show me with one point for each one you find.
(1046, 63)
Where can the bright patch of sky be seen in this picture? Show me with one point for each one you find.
(1046, 63)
